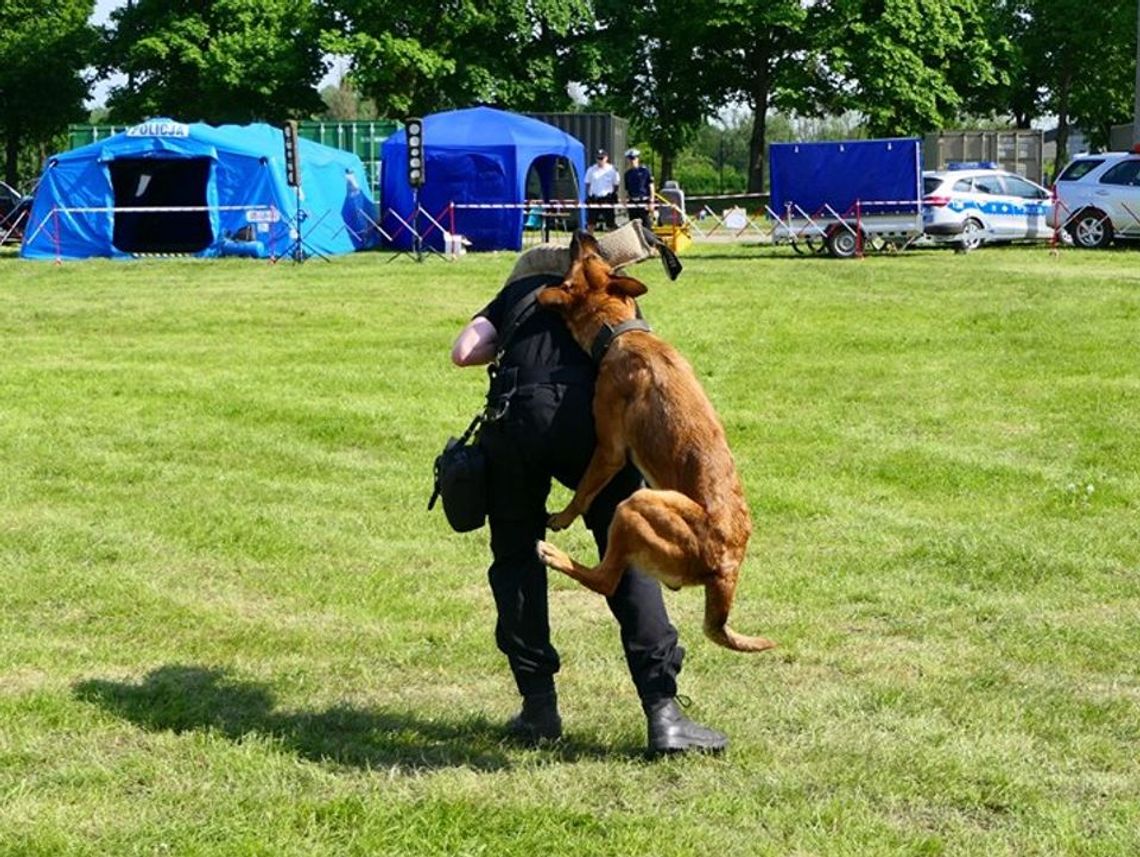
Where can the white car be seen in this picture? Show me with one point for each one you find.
(971, 204)
(1098, 198)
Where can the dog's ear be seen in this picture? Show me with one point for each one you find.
(553, 297)
(626, 286)
(583, 244)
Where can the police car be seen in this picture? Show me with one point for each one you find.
(971, 203)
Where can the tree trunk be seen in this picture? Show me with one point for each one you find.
(761, 95)
(12, 156)
(1136, 103)
(666, 167)
(1062, 126)
(756, 143)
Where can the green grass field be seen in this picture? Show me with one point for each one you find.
(229, 626)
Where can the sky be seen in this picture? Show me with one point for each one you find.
(103, 9)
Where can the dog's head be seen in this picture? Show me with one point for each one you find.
(591, 287)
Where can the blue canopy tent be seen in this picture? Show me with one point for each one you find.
(478, 155)
(164, 187)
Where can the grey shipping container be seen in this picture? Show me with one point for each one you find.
(595, 131)
(1016, 150)
(1121, 138)
(361, 137)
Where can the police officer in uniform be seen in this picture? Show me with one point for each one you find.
(543, 387)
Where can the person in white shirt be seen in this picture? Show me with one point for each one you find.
(602, 181)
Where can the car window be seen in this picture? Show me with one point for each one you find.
(964, 185)
(988, 184)
(930, 184)
(1080, 168)
(1016, 186)
(1125, 173)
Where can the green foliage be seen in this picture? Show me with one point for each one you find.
(343, 102)
(653, 67)
(229, 626)
(420, 58)
(905, 64)
(226, 61)
(769, 59)
(44, 47)
(1083, 57)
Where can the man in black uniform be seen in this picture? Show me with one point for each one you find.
(638, 188)
(544, 385)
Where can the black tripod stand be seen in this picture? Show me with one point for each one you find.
(419, 250)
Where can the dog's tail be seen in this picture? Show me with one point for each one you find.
(718, 601)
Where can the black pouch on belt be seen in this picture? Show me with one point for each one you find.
(461, 481)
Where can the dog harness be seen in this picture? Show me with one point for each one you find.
(608, 334)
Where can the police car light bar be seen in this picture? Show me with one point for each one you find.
(972, 165)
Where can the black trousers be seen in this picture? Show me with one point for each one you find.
(547, 433)
(604, 216)
(640, 211)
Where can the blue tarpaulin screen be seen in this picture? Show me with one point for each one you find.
(837, 173)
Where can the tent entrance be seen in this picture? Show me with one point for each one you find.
(551, 177)
(148, 183)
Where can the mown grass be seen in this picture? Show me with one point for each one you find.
(228, 625)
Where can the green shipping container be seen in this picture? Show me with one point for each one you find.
(361, 137)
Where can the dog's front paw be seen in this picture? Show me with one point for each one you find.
(552, 557)
(561, 520)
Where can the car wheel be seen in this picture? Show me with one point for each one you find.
(1091, 229)
(973, 234)
(842, 243)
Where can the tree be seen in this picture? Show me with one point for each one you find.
(223, 61)
(766, 60)
(649, 62)
(44, 47)
(1092, 59)
(905, 65)
(417, 58)
(1080, 59)
(343, 102)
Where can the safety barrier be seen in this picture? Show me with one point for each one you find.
(866, 224)
(260, 215)
(874, 225)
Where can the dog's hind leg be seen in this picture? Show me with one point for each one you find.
(653, 531)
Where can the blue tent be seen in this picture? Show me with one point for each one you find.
(221, 190)
(479, 155)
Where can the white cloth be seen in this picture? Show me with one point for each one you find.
(602, 180)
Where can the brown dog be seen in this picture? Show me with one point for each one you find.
(690, 528)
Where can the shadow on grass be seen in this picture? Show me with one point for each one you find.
(182, 698)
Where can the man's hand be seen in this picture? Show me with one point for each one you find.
(561, 520)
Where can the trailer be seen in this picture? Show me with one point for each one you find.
(846, 197)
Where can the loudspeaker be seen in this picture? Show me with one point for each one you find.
(414, 133)
(292, 158)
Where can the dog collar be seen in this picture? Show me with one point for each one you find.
(608, 334)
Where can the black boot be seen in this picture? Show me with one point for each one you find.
(670, 731)
(538, 721)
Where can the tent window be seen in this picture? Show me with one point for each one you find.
(161, 183)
